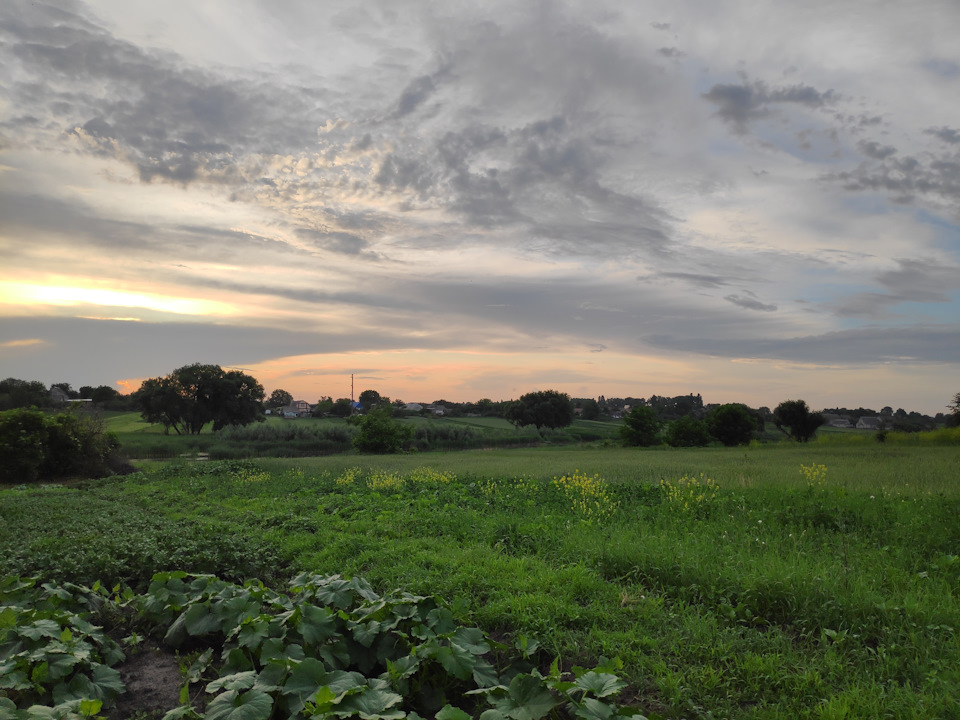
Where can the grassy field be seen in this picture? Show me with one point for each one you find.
(279, 437)
(818, 581)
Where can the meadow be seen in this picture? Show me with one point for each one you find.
(306, 437)
(782, 581)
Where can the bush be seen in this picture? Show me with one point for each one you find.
(641, 427)
(732, 424)
(688, 432)
(379, 433)
(35, 446)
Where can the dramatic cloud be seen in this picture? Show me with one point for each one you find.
(469, 200)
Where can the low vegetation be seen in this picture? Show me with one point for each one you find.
(793, 581)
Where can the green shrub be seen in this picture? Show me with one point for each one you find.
(35, 446)
(379, 433)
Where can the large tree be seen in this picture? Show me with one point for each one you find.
(732, 424)
(16, 393)
(194, 395)
(279, 398)
(545, 408)
(794, 419)
(641, 427)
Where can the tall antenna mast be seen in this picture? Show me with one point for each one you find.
(351, 387)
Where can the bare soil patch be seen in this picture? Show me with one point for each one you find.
(153, 681)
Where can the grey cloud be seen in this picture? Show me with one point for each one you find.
(671, 52)
(415, 94)
(931, 343)
(120, 349)
(741, 104)
(750, 303)
(906, 177)
(338, 242)
(78, 227)
(947, 134)
(920, 281)
(660, 25)
(710, 281)
(171, 123)
(875, 150)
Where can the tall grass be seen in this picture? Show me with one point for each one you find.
(784, 582)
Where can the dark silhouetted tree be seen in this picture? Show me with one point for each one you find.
(194, 395)
(641, 427)
(378, 432)
(688, 431)
(369, 399)
(279, 398)
(544, 408)
(732, 424)
(342, 407)
(794, 419)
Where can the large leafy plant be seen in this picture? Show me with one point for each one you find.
(330, 647)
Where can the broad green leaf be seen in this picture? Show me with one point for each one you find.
(253, 633)
(365, 633)
(272, 676)
(251, 705)
(593, 709)
(374, 703)
(41, 712)
(199, 666)
(492, 714)
(16, 680)
(471, 639)
(402, 667)
(184, 711)
(441, 621)
(40, 672)
(600, 684)
(106, 681)
(177, 632)
(39, 629)
(527, 699)
(89, 708)
(316, 624)
(457, 661)
(448, 712)
(236, 681)
(484, 674)
(200, 620)
(235, 660)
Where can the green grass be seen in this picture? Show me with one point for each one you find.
(279, 437)
(772, 596)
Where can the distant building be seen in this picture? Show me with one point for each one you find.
(840, 423)
(869, 423)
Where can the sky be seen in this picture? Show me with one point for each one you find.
(754, 200)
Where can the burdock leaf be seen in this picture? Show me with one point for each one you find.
(527, 699)
(251, 705)
(600, 684)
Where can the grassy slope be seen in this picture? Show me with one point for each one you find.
(771, 597)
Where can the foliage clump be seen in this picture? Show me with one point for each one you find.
(732, 424)
(378, 432)
(330, 647)
(545, 408)
(37, 446)
(794, 419)
(641, 427)
(194, 395)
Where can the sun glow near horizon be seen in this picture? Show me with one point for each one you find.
(21, 295)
